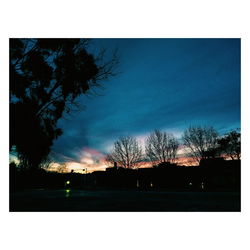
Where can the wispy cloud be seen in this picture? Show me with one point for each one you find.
(166, 84)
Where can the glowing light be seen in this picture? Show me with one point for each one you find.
(68, 182)
(67, 193)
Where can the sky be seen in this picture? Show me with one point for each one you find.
(166, 84)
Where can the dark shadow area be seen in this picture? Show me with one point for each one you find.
(212, 186)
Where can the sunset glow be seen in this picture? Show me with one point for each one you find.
(92, 160)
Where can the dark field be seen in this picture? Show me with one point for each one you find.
(123, 200)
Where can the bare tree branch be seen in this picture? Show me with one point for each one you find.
(201, 141)
(161, 147)
(126, 152)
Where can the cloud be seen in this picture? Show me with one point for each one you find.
(166, 84)
(85, 158)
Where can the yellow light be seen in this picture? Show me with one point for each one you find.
(67, 195)
(68, 182)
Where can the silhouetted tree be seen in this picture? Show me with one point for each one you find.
(161, 147)
(46, 78)
(230, 145)
(62, 168)
(173, 145)
(201, 142)
(126, 152)
(46, 163)
(110, 161)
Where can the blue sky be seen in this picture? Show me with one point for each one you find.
(166, 84)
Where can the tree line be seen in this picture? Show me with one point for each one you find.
(200, 143)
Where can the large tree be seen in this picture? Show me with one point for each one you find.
(161, 147)
(201, 142)
(46, 78)
(126, 152)
(230, 145)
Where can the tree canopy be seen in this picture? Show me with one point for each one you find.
(230, 145)
(46, 78)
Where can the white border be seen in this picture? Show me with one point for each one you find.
(128, 18)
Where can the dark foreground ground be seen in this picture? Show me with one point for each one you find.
(123, 200)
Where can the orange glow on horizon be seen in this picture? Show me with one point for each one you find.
(89, 166)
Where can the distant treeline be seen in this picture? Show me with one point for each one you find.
(212, 175)
(204, 144)
(199, 143)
